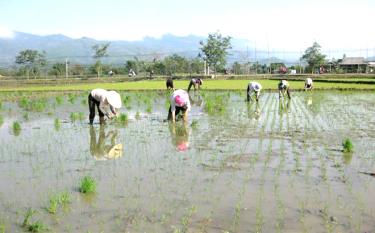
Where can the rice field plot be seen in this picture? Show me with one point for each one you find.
(272, 166)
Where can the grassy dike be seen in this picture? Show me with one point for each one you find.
(207, 84)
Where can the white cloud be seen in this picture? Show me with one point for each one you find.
(6, 33)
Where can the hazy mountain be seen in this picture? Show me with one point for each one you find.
(60, 47)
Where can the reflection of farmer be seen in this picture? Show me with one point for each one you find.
(103, 100)
(196, 82)
(179, 103)
(253, 87)
(254, 113)
(180, 136)
(283, 87)
(284, 106)
(308, 84)
(169, 84)
(99, 149)
(196, 99)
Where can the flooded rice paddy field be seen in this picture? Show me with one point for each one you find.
(278, 166)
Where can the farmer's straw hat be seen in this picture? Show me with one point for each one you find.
(114, 99)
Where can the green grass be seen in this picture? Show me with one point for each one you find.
(347, 145)
(208, 85)
(87, 185)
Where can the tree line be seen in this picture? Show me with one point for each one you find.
(212, 59)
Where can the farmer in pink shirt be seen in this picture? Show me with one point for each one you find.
(179, 103)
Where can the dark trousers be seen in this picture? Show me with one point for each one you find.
(178, 110)
(92, 103)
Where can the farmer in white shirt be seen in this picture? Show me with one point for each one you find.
(107, 103)
(283, 87)
(179, 103)
(253, 87)
(308, 84)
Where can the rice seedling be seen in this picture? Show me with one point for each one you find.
(87, 185)
(2, 228)
(122, 119)
(194, 124)
(37, 105)
(149, 108)
(26, 116)
(347, 145)
(59, 100)
(74, 116)
(57, 124)
(26, 220)
(24, 102)
(71, 98)
(37, 226)
(1, 105)
(58, 200)
(1, 120)
(84, 101)
(137, 115)
(16, 126)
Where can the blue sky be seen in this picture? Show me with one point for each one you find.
(286, 25)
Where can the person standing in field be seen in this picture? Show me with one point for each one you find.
(169, 84)
(196, 82)
(107, 102)
(253, 87)
(308, 84)
(180, 103)
(283, 87)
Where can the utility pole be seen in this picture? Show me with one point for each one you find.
(66, 68)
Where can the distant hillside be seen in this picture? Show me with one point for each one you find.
(60, 47)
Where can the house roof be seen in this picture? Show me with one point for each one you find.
(353, 61)
(371, 63)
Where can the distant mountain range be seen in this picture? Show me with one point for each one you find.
(60, 47)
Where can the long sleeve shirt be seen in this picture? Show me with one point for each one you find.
(101, 96)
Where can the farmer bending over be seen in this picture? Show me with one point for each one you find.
(283, 87)
(253, 87)
(169, 84)
(308, 84)
(196, 82)
(104, 100)
(179, 103)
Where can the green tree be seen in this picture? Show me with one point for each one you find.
(176, 64)
(100, 51)
(58, 69)
(196, 66)
(215, 50)
(31, 61)
(313, 57)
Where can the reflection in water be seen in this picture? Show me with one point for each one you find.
(347, 158)
(309, 101)
(196, 99)
(254, 112)
(284, 105)
(180, 136)
(106, 147)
